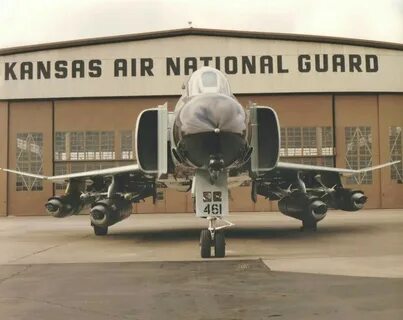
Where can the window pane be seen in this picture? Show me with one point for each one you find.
(107, 145)
(29, 159)
(77, 167)
(60, 146)
(89, 145)
(92, 142)
(309, 142)
(327, 141)
(359, 153)
(60, 169)
(126, 145)
(396, 153)
(310, 145)
(77, 146)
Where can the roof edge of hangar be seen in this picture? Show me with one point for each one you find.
(201, 32)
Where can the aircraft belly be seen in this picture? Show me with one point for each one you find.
(201, 147)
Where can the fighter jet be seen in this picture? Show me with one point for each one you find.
(210, 143)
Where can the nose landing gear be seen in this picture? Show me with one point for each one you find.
(213, 237)
(216, 166)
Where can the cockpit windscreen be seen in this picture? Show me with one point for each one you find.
(209, 79)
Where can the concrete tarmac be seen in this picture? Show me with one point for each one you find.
(149, 267)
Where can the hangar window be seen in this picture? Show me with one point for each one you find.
(359, 153)
(396, 153)
(77, 146)
(60, 146)
(89, 166)
(79, 151)
(307, 145)
(92, 143)
(67, 167)
(99, 145)
(126, 145)
(160, 195)
(60, 169)
(107, 144)
(29, 159)
(80, 145)
(327, 144)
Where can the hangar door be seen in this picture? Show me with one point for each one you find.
(96, 134)
(3, 156)
(357, 141)
(391, 149)
(306, 137)
(30, 147)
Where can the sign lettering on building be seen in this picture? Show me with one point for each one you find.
(136, 68)
(144, 67)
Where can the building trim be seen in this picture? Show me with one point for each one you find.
(378, 123)
(201, 32)
(8, 158)
(53, 147)
(334, 129)
(360, 93)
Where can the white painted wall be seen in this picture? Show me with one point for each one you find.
(388, 77)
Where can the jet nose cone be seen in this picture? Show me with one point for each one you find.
(212, 113)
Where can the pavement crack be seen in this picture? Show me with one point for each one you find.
(36, 252)
(45, 249)
(15, 274)
(109, 315)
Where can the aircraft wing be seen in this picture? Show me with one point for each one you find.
(80, 175)
(286, 178)
(305, 167)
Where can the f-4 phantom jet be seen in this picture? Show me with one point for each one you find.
(209, 144)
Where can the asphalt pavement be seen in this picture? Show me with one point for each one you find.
(148, 267)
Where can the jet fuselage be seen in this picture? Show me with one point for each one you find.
(210, 126)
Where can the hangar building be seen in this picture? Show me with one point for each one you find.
(72, 106)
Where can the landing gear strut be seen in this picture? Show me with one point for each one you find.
(100, 231)
(213, 237)
(309, 226)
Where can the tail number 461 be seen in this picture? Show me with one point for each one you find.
(213, 208)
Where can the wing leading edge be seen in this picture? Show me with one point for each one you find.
(85, 174)
(135, 168)
(305, 167)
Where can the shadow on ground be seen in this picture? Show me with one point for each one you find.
(183, 234)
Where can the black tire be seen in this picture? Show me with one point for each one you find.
(205, 244)
(100, 231)
(219, 244)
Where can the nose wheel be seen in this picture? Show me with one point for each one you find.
(205, 243)
(213, 237)
(219, 244)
